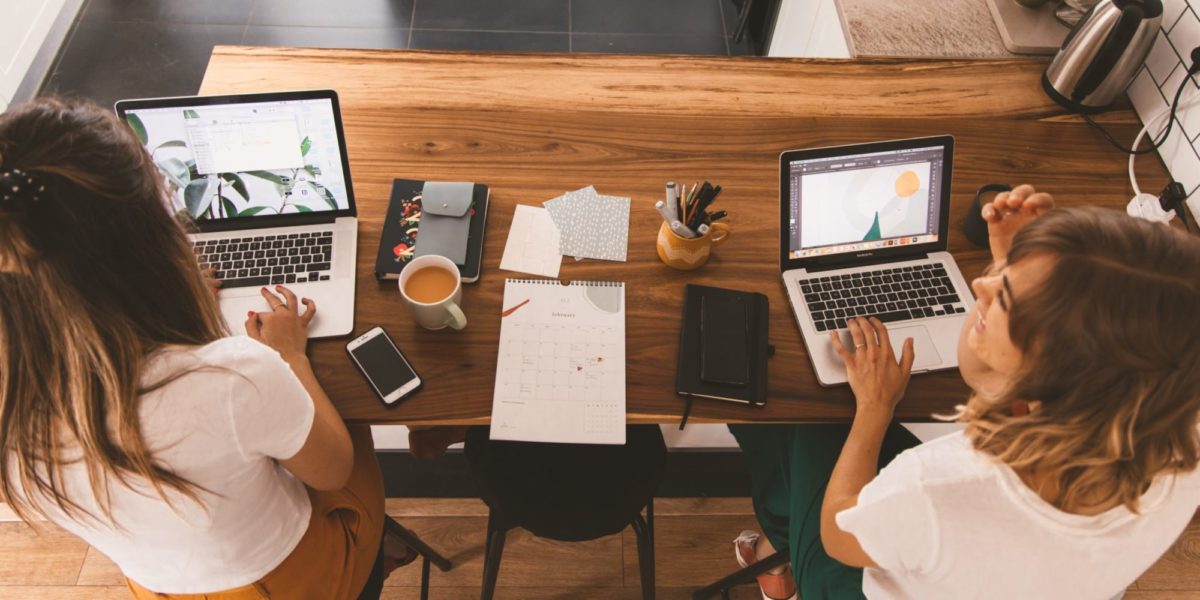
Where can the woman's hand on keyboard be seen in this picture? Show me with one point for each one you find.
(210, 278)
(282, 326)
(877, 378)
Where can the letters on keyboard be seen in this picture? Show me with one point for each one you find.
(896, 294)
(268, 259)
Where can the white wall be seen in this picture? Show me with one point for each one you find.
(809, 28)
(1155, 86)
(24, 25)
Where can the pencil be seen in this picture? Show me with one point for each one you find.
(691, 199)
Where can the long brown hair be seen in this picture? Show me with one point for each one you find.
(95, 276)
(1111, 343)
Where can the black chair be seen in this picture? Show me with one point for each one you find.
(742, 576)
(374, 586)
(568, 492)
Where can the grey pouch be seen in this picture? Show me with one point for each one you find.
(445, 220)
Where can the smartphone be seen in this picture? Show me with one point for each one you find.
(385, 368)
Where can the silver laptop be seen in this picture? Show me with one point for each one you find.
(266, 180)
(863, 233)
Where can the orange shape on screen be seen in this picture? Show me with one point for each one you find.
(907, 184)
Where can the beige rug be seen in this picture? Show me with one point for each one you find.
(943, 28)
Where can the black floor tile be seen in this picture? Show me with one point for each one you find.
(744, 48)
(662, 17)
(493, 15)
(496, 41)
(754, 27)
(325, 37)
(394, 14)
(109, 61)
(648, 44)
(729, 12)
(212, 12)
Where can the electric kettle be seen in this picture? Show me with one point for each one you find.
(1102, 53)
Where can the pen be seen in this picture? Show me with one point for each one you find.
(703, 230)
(679, 201)
(681, 230)
(671, 202)
(691, 203)
(675, 224)
(717, 216)
(664, 211)
(698, 213)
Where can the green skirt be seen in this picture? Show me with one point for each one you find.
(789, 467)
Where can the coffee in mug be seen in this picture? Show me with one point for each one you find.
(430, 284)
(432, 289)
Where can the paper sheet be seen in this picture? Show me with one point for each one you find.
(560, 371)
(592, 225)
(533, 243)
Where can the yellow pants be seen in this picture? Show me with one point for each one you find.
(334, 558)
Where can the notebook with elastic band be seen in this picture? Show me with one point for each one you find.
(723, 347)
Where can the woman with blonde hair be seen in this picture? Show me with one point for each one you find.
(199, 463)
(1077, 467)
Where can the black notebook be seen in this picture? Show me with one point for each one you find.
(402, 225)
(723, 345)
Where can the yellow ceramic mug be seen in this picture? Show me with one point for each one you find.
(687, 254)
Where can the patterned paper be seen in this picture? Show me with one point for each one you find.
(591, 225)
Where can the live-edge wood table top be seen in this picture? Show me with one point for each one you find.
(532, 126)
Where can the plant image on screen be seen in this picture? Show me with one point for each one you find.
(233, 193)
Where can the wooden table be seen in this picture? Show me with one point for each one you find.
(533, 126)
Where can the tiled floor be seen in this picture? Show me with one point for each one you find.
(141, 48)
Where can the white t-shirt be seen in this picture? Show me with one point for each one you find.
(219, 428)
(944, 520)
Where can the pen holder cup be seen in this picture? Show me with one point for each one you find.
(686, 254)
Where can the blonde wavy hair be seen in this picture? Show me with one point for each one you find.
(1111, 343)
(95, 276)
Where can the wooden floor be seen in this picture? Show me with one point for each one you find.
(692, 546)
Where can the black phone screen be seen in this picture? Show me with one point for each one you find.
(383, 365)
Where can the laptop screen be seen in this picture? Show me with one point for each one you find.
(246, 159)
(849, 204)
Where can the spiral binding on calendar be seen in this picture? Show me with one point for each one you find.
(558, 282)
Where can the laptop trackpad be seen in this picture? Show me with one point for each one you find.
(925, 354)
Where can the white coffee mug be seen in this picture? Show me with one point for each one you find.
(440, 314)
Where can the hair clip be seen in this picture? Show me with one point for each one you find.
(16, 184)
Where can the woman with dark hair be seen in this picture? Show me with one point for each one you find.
(1077, 467)
(199, 463)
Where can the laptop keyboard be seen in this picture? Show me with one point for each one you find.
(268, 259)
(891, 295)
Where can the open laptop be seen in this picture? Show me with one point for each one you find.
(863, 233)
(266, 180)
